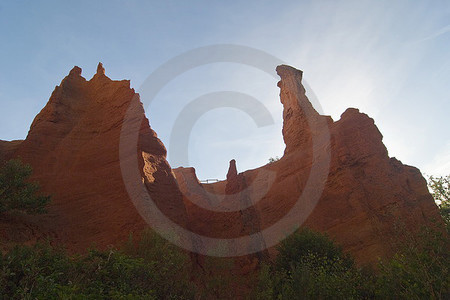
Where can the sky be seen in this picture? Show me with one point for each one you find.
(389, 59)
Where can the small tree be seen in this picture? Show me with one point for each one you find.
(440, 189)
(17, 192)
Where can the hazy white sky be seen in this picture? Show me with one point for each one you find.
(390, 59)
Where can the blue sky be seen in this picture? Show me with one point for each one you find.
(390, 60)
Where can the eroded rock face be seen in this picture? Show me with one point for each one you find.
(300, 119)
(366, 194)
(7, 149)
(73, 147)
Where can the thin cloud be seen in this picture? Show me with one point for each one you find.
(442, 31)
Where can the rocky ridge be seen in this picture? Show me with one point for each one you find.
(335, 176)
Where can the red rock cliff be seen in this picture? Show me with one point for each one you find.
(363, 196)
(73, 147)
(362, 193)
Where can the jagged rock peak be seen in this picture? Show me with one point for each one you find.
(100, 69)
(299, 116)
(232, 170)
(81, 120)
(76, 71)
(284, 71)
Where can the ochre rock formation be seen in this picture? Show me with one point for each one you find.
(364, 196)
(73, 147)
(335, 176)
(8, 148)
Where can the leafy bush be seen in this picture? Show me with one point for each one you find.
(218, 278)
(305, 242)
(310, 266)
(169, 265)
(419, 270)
(16, 192)
(318, 277)
(42, 272)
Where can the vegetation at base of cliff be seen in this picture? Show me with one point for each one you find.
(17, 193)
(419, 270)
(150, 269)
(310, 266)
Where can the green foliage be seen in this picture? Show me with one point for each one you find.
(42, 272)
(419, 270)
(310, 266)
(440, 189)
(305, 242)
(170, 266)
(318, 277)
(267, 280)
(219, 278)
(25, 270)
(16, 192)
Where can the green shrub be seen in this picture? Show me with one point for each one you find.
(43, 272)
(318, 277)
(218, 278)
(16, 192)
(310, 266)
(305, 242)
(170, 266)
(419, 270)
